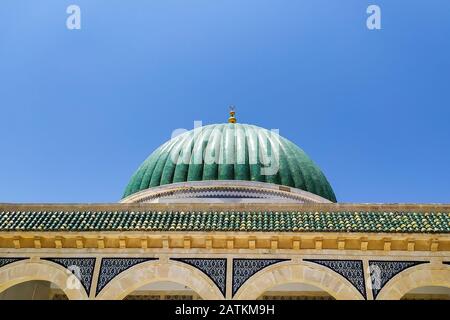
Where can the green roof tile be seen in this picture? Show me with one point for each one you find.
(283, 221)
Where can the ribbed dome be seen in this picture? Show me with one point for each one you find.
(230, 152)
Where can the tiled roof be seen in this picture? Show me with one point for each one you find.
(227, 220)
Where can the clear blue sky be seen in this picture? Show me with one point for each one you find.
(80, 110)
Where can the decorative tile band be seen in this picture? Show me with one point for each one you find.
(352, 270)
(383, 271)
(112, 267)
(5, 261)
(243, 269)
(82, 268)
(215, 269)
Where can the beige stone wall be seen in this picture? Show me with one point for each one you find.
(296, 270)
(30, 290)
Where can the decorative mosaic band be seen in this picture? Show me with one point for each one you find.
(112, 267)
(82, 268)
(5, 261)
(352, 270)
(243, 269)
(215, 269)
(383, 271)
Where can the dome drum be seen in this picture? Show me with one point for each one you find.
(223, 192)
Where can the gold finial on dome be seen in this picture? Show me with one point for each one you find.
(232, 119)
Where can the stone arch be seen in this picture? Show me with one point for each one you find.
(156, 271)
(415, 277)
(27, 270)
(303, 272)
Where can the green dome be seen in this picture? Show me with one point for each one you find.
(230, 152)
